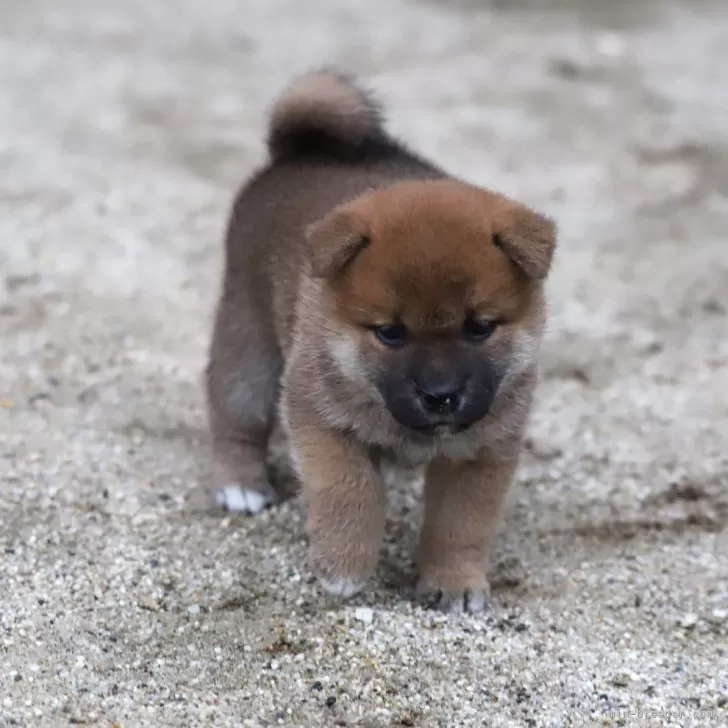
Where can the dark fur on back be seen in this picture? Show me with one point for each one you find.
(326, 115)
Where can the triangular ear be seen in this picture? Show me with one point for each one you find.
(527, 238)
(334, 242)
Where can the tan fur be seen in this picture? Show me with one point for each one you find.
(347, 232)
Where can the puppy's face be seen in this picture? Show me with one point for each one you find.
(432, 295)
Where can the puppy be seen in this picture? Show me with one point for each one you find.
(385, 311)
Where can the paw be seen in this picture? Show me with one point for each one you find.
(238, 499)
(466, 600)
(341, 587)
(341, 574)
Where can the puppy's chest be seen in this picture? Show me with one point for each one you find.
(395, 473)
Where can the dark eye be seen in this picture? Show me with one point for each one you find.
(475, 329)
(391, 334)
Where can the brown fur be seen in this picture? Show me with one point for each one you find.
(345, 230)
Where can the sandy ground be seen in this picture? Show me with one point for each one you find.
(124, 128)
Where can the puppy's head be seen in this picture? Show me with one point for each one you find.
(432, 294)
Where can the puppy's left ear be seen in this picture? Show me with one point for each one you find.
(527, 238)
(334, 242)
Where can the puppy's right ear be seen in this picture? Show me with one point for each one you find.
(526, 237)
(334, 242)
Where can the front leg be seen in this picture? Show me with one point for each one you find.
(345, 496)
(463, 502)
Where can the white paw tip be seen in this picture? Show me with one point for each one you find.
(342, 588)
(237, 499)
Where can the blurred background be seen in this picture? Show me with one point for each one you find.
(125, 129)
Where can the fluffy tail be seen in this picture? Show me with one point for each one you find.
(323, 112)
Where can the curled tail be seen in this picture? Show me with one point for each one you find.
(323, 112)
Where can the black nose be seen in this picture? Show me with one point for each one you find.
(443, 399)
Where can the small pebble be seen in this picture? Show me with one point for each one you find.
(193, 609)
(330, 701)
(364, 615)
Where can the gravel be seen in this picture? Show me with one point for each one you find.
(124, 129)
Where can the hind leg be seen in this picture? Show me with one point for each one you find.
(242, 389)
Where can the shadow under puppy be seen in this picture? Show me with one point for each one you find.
(385, 311)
